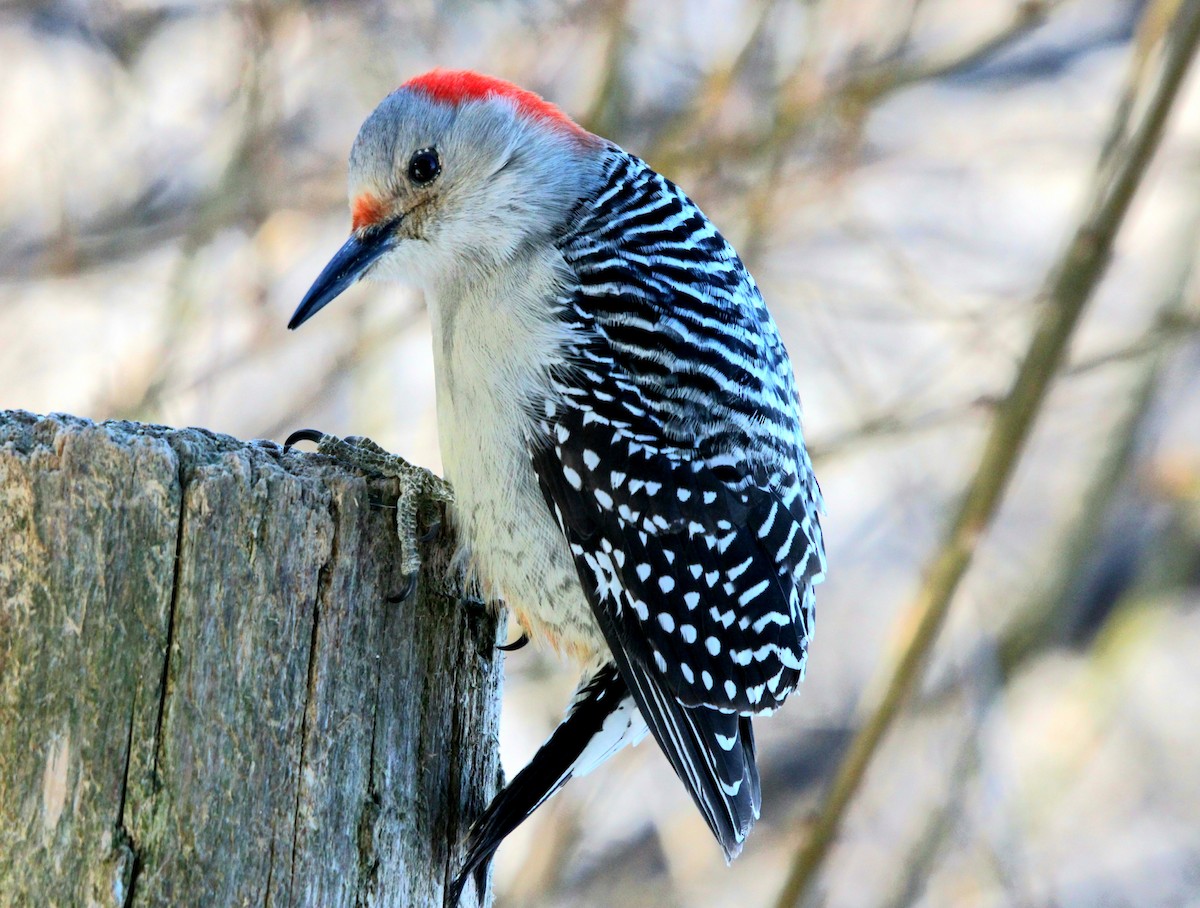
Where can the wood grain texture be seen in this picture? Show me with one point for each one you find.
(205, 697)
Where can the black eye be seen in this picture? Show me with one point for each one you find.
(424, 166)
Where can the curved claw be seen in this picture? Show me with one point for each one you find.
(431, 532)
(520, 643)
(410, 586)
(312, 435)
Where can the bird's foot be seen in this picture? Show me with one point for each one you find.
(422, 494)
(481, 606)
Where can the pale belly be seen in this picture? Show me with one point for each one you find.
(513, 542)
(493, 347)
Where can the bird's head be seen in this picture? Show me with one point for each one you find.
(454, 173)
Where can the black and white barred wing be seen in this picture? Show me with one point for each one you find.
(680, 588)
(672, 458)
(700, 586)
(686, 441)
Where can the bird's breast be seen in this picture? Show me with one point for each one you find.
(491, 373)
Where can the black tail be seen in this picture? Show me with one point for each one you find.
(600, 721)
(711, 751)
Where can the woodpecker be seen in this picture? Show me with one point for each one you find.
(619, 423)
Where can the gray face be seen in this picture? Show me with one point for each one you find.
(503, 181)
(490, 182)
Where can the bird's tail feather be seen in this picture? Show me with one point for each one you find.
(601, 719)
(713, 754)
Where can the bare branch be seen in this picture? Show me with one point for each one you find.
(1067, 290)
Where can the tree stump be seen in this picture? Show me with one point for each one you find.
(206, 697)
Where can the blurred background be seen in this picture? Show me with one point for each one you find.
(899, 176)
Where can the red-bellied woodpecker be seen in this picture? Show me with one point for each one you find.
(618, 420)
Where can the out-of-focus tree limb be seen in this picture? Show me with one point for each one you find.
(1054, 615)
(1169, 329)
(855, 91)
(868, 84)
(1066, 292)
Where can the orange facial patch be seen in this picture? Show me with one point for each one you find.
(365, 211)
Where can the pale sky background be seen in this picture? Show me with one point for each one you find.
(172, 179)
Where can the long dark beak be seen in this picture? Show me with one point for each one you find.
(345, 268)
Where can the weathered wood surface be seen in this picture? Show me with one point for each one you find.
(205, 697)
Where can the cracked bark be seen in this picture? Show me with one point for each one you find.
(205, 697)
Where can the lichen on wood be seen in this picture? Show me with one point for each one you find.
(206, 696)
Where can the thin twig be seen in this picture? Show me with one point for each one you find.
(886, 76)
(1168, 330)
(853, 93)
(1067, 290)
